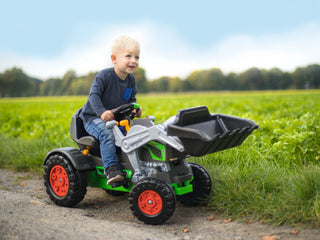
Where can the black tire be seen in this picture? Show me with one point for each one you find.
(152, 201)
(65, 185)
(201, 184)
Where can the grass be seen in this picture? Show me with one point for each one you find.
(273, 176)
(263, 190)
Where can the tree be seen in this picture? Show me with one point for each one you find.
(15, 83)
(51, 87)
(312, 75)
(89, 80)
(67, 79)
(298, 78)
(204, 80)
(159, 85)
(232, 81)
(214, 80)
(251, 79)
(274, 78)
(175, 85)
(193, 80)
(141, 80)
(2, 84)
(286, 81)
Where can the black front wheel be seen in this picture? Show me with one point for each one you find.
(65, 185)
(201, 184)
(152, 201)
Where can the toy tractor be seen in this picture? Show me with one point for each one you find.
(153, 159)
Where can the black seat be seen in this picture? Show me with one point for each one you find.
(80, 135)
(191, 116)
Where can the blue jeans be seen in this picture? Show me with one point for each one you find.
(98, 129)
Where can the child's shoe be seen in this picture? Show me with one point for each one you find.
(114, 174)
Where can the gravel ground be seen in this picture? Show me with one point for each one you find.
(26, 212)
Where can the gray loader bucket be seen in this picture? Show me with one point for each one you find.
(203, 133)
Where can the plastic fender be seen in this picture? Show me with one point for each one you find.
(79, 161)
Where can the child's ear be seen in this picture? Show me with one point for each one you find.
(113, 59)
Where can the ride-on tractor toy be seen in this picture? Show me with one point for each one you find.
(153, 159)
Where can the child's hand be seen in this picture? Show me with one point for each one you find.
(107, 116)
(138, 114)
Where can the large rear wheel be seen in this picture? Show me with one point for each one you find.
(152, 201)
(65, 185)
(201, 184)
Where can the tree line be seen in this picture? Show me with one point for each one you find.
(15, 83)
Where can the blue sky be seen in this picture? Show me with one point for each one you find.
(46, 39)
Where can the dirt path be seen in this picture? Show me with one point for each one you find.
(26, 212)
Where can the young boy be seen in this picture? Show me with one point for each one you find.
(112, 88)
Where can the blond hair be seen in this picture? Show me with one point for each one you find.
(124, 43)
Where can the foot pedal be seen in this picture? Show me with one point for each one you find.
(119, 184)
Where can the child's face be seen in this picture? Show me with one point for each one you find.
(126, 62)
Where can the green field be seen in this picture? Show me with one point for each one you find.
(273, 176)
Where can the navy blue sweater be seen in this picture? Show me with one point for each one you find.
(107, 92)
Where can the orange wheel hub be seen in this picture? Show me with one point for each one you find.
(150, 202)
(59, 181)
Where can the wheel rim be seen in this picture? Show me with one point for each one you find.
(59, 181)
(150, 202)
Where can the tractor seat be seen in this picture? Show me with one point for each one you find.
(80, 135)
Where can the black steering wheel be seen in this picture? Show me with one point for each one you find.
(125, 111)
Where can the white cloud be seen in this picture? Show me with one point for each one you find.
(163, 52)
(286, 50)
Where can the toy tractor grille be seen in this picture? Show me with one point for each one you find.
(156, 152)
(153, 151)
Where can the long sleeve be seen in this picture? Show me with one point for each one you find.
(107, 92)
(96, 95)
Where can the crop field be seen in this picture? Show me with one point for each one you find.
(274, 176)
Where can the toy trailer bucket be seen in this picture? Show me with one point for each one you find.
(202, 133)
